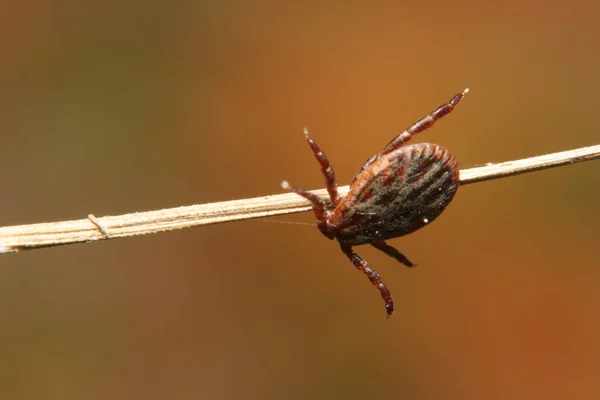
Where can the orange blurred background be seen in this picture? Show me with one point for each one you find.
(115, 107)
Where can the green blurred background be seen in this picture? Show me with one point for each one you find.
(114, 107)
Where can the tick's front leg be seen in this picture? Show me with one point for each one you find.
(318, 205)
(326, 169)
(372, 275)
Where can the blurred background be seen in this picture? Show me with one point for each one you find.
(115, 107)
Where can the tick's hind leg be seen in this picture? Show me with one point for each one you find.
(326, 169)
(392, 252)
(424, 123)
(373, 277)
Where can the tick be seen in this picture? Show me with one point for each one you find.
(396, 192)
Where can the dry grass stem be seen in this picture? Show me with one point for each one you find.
(25, 237)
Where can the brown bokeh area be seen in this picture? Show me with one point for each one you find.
(115, 107)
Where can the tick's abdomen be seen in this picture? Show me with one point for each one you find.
(397, 194)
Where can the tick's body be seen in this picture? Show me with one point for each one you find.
(396, 192)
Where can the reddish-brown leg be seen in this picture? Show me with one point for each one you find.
(424, 123)
(318, 204)
(326, 169)
(372, 275)
(392, 252)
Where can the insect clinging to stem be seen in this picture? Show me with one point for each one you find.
(396, 192)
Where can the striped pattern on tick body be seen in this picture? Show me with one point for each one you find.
(396, 192)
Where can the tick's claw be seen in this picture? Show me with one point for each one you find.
(389, 309)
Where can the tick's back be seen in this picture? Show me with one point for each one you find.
(397, 194)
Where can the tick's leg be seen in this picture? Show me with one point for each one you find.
(392, 252)
(373, 277)
(326, 169)
(317, 203)
(424, 123)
